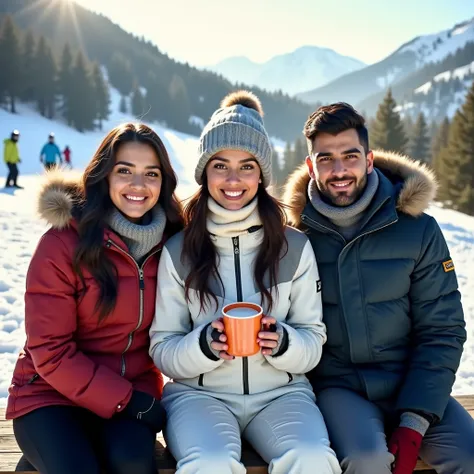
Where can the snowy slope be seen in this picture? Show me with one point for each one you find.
(34, 131)
(442, 96)
(20, 229)
(303, 69)
(435, 47)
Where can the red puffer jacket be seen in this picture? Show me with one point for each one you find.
(69, 358)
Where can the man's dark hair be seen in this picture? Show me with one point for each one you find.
(334, 119)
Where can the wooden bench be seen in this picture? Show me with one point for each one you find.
(11, 457)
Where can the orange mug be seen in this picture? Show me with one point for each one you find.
(242, 323)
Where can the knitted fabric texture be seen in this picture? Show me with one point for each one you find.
(345, 218)
(235, 128)
(140, 239)
(225, 223)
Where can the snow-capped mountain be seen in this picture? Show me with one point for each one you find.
(305, 68)
(422, 53)
(434, 48)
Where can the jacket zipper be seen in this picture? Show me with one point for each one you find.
(32, 379)
(238, 283)
(141, 285)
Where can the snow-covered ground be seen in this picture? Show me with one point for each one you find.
(20, 228)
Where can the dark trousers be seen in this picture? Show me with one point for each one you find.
(12, 174)
(49, 166)
(73, 440)
(357, 429)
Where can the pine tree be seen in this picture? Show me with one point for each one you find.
(28, 66)
(50, 90)
(300, 152)
(82, 106)
(120, 73)
(10, 62)
(157, 101)
(276, 170)
(65, 83)
(438, 143)
(101, 94)
(387, 132)
(45, 76)
(123, 105)
(180, 104)
(138, 101)
(458, 159)
(419, 146)
(288, 159)
(408, 125)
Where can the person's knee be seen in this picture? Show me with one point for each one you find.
(306, 459)
(460, 464)
(199, 462)
(375, 462)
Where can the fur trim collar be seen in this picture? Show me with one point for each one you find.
(418, 189)
(57, 198)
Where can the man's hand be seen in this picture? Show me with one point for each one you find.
(405, 445)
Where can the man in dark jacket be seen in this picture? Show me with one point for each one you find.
(392, 307)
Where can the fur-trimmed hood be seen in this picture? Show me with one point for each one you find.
(58, 197)
(417, 191)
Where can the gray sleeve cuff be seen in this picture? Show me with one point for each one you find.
(415, 422)
(209, 339)
(205, 339)
(282, 346)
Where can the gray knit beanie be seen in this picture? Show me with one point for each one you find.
(236, 125)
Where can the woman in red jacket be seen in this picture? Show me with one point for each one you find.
(85, 393)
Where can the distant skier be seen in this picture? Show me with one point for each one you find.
(67, 157)
(49, 152)
(11, 157)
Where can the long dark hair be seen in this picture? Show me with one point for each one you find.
(201, 255)
(94, 204)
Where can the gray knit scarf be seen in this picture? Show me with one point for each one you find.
(346, 219)
(140, 239)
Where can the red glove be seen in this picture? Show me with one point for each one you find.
(405, 445)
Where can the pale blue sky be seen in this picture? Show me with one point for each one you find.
(205, 31)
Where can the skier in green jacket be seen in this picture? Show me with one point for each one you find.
(11, 157)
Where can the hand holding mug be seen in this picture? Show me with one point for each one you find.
(268, 339)
(219, 342)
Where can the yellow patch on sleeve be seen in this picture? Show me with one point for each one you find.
(448, 266)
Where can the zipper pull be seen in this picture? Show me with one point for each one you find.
(32, 379)
(235, 241)
(141, 280)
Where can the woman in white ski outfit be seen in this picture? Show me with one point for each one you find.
(236, 247)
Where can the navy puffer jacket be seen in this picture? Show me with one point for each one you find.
(392, 308)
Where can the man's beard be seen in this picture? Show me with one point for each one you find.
(342, 198)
